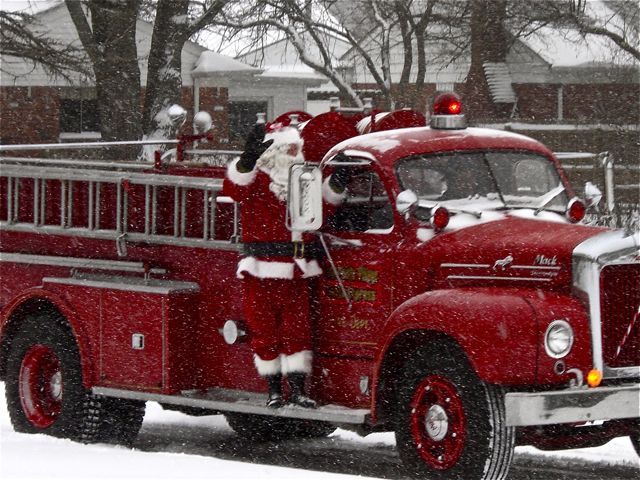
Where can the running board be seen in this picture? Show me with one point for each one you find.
(224, 400)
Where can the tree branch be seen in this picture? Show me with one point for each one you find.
(18, 40)
(84, 30)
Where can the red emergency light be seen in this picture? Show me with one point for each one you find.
(576, 210)
(439, 218)
(446, 112)
(447, 104)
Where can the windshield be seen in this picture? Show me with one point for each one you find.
(483, 180)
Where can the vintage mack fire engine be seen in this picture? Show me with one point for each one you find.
(463, 305)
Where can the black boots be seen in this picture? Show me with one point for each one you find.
(275, 399)
(296, 391)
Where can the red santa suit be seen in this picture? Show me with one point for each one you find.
(277, 262)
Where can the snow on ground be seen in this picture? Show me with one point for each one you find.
(162, 456)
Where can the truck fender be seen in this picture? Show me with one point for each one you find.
(38, 296)
(495, 328)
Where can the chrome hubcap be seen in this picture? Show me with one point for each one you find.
(55, 386)
(436, 423)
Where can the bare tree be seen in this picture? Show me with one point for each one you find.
(107, 30)
(306, 23)
(22, 36)
(376, 30)
(488, 45)
(620, 23)
(175, 22)
(109, 41)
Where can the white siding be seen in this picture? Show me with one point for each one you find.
(281, 97)
(56, 23)
(437, 70)
(283, 52)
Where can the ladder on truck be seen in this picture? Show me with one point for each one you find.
(97, 199)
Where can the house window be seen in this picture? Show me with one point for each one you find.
(242, 116)
(79, 115)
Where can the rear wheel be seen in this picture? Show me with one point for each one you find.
(451, 425)
(45, 393)
(263, 428)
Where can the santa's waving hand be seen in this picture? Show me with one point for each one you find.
(276, 262)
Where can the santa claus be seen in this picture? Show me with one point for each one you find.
(276, 262)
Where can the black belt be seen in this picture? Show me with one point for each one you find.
(283, 249)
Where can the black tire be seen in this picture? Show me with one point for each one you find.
(119, 421)
(45, 393)
(450, 425)
(635, 441)
(263, 428)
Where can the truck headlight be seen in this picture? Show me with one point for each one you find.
(558, 339)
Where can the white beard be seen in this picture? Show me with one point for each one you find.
(276, 162)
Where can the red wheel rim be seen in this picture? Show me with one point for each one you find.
(438, 423)
(40, 386)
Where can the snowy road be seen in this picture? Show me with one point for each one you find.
(174, 446)
(374, 457)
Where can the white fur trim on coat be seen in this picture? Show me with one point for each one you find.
(330, 195)
(264, 269)
(268, 367)
(270, 269)
(309, 268)
(240, 178)
(299, 362)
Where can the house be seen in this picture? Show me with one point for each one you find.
(281, 59)
(38, 108)
(571, 93)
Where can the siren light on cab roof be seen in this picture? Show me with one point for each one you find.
(446, 112)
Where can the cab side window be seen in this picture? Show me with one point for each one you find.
(533, 177)
(366, 207)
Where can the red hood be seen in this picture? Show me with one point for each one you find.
(513, 251)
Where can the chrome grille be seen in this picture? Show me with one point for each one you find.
(620, 314)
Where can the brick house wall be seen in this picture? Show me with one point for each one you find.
(606, 103)
(32, 114)
(537, 102)
(610, 103)
(215, 100)
(29, 114)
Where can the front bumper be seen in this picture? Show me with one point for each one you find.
(573, 405)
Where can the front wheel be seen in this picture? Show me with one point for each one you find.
(450, 424)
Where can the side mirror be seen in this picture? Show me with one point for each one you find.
(405, 201)
(592, 195)
(304, 198)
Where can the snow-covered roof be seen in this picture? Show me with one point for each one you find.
(299, 71)
(281, 60)
(212, 63)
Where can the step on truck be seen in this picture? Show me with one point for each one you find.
(463, 305)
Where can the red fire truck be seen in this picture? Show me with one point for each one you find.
(463, 304)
